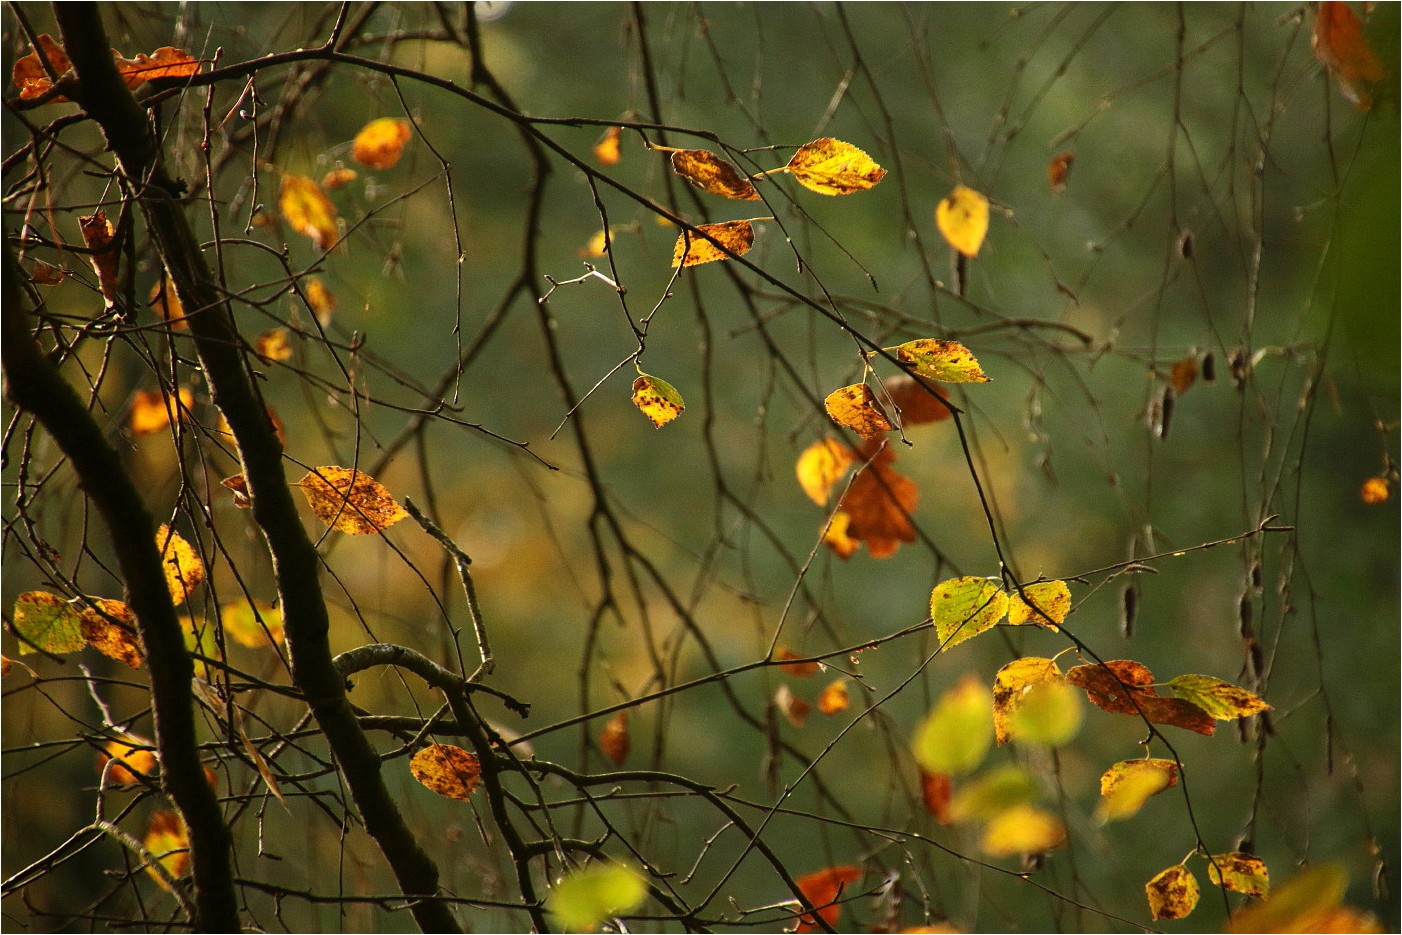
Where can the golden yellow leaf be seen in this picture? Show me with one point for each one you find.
(832, 167)
(712, 174)
(167, 304)
(856, 407)
(152, 410)
(351, 501)
(169, 843)
(183, 568)
(109, 626)
(658, 399)
(613, 740)
(337, 178)
(1022, 829)
(608, 150)
(1127, 785)
(946, 361)
(98, 237)
(450, 771)
(308, 211)
(29, 75)
(135, 757)
(597, 246)
(835, 536)
(1010, 687)
(255, 624)
(834, 699)
(1239, 872)
(693, 249)
(380, 143)
(273, 345)
(1051, 602)
(821, 466)
(1173, 893)
(1375, 490)
(321, 300)
(962, 218)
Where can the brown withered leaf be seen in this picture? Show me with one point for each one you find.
(98, 237)
(238, 484)
(917, 400)
(46, 274)
(693, 250)
(856, 407)
(878, 504)
(350, 501)
(712, 174)
(1183, 374)
(794, 709)
(613, 740)
(1122, 686)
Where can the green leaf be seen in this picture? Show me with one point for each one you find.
(1050, 715)
(956, 735)
(48, 622)
(1223, 700)
(588, 897)
(964, 607)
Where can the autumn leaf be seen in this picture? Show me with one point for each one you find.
(992, 793)
(109, 626)
(1239, 872)
(856, 407)
(153, 410)
(338, 178)
(962, 218)
(823, 889)
(608, 151)
(47, 622)
(712, 174)
(1050, 715)
(946, 361)
(821, 465)
(877, 506)
(917, 401)
(165, 62)
(380, 143)
(658, 399)
(962, 608)
(255, 624)
(586, 898)
(793, 708)
(350, 501)
(1127, 785)
(238, 484)
(1173, 893)
(273, 345)
(936, 790)
(166, 304)
(169, 843)
(1375, 490)
(1050, 603)
(1122, 686)
(1010, 687)
(183, 568)
(613, 740)
(693, 250)
(134, 759)
(832, 167)
(450, 771)
(29, 75)
(308, 211)
(1022, 830)
(1310, 901)
(834, 699)
(798, 670)
(321, 300)
(46, 274)
(98, 237)
(1183, 374)
(835, 536)
(1222, 700)
(1058, 169)
(955, 736)
(1340, 46)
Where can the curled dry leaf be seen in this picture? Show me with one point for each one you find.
(834, 699)
(450, 771)
(29, 75)
(238, 484)
(946, 361)
(109, 626)
(856, 407)
(823, 890)
(1183, 374)
(308, 211)
(693, 249)
(962, 218)
(1058, 169)
(33, 81)
(917, 400)
(47, 622)
(152, 410)
(98, 237)
(608, 151)
(613, 740)
(380, 143)
(821, 465)
(658, 399)
(832, 167)
(712, 174)
(46, 274)
(1173, 893)
(168, 842)
(351, 501)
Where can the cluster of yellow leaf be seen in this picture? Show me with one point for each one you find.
(1173, 892)
(350, 501)
(962, 608)
(1340, 46)
(32, 80)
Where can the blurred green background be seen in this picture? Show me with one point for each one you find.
(1209, 123)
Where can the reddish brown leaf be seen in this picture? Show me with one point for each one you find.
(796, 669)
(919, 401)
(614, 738)
(1340, 45)
(97, 236)
(823, 889)
(712, 174)
(1058, 169)
(239, 485)
(1131, 693)
(878, 505)
(1184, 374)
(937, 789)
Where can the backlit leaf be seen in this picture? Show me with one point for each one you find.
(1050, 715)
(48, 622)
(169, 843)
(110, 627)
(823, 889)
(350, 501)
(241, 623)
(98, 237)
(321, 300)
(946, 361)
(935, 791)
(613, 740)
(1173, 893)
(832, 167)
(1126, 786)
(878, 504)
(1222, 700)
(955, 736)
(1058, 169)
(796, 669)
(450, 771)
(380, 143)
(1022, 830)
(1340, 45)
(793, 708)
(1239, 872)
(855, 407)
(153, 411)
(962, 217)
(658, 399)
(238, 484)
(1122, 686)
(835, 536)
(821, 466)
(183, 568)
(918, 401)
(1050, 603)
(135, 757)
(597, 246)
(338, 178)
(608, 150)
(963, 608)
(1375, 490)
(1010, 687)
(834, 698)
(693, 249)
(308, 211)
(712, 174)
(1310, 901)
(29, 75)
(991, 794)
(165, 62)
(166, 304)
(273, 345)
(46, 274)
(586, 898)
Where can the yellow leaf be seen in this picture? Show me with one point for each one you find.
(1223, 700)
(856, 407)
(169, 843)
(110, 627)
(350, 501)
(1126, 786)
(183, 568)
(380, 142)
(450, 771)
(597, 246)
(97, 237)
(273, 345)
(321, 300)
(992, 793)
(1375, 490)
(48, 622)
(1051, 602)
(608, 150)
(836, 538)
(821, 466)
(337, 178)
(153, 410)
(1239, 872)
(613, 740)
(658, 399)
(308, 211)
(962, 218)
(586, 898)
(963, 608)
(1310, 901)
(253, 624)
(1010, 687)
(712, 174)
(955, 736)
(834, 698)
(135, 758)
(693, 249)
(167, 304)
(1022, 829)
(946, 361)
(832, 167)
(1173, 893)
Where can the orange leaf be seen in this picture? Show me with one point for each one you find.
(793, 708)
(380, 142)
(693, 250)
(1375, 490)
(165, 62)
(856, 407)
(169, 843)
(822, 890)
(337, 178)
(821, 466)
(273, 345)
(135, 758)
(1122, 686)
(878, 505)
(308, 211)
(917, 400)
(834, 698)
(97, 236)
(450, 771)
(167, 304)
(613, 740)
(183, 568)
(29, 75)
(153, 410)
(350, 501)
(608, 151)
(1339, 44)
(798, 670)
(937, 789)
(1184, 374)
(321, 300)
(712, 174)
(832, 167)
(1058, 169)
(110, 627)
